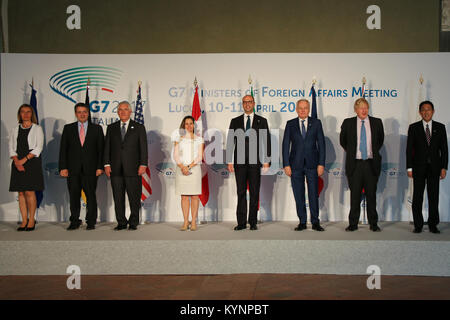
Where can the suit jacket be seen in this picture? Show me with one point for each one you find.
(299, 153)
(348, 140)
(86, 159)
(128, 154)
(263, 140)
(418, 153)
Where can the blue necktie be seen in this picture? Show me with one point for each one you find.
(303, 129)
(247, 126)
(363, 142)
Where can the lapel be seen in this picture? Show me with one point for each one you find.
(77, 134)
(88, 134)
(256, 121)
(130, 128)
(423, 135)
(354, 129)
(433, 132)
(297, 127)
(241, 120)
(309, 128)
(371, 129)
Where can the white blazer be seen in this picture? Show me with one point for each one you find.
(35, 140)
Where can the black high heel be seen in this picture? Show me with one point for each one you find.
(30, 229)
(22, 228)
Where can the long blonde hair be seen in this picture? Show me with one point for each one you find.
(33, 114)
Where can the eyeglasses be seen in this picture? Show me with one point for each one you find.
(247, 101)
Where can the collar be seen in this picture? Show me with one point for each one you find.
(126, 123)
(359, 119)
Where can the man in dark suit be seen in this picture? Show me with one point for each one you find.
(426, 161)
(125, 162)
(81, 162)
(249, 141)
(362, 138)
(304, 155)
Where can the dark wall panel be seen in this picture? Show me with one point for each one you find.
(196, 26)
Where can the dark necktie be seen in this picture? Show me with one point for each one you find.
(247, 126)
(123, 131)
(428, 134)
(303, 129)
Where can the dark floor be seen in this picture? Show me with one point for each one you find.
(224, 287)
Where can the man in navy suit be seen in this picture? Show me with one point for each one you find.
(304, 155)
(427, 163)
(81, 162)
(125, 160)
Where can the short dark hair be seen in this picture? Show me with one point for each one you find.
(426, 102)
(80, 104)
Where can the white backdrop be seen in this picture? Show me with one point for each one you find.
(279, 80)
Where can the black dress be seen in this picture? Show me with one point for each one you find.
(32, 178)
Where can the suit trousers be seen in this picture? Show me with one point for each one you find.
(133, 187)
(89, 184)
(247, 174)
(363, 178)
(424, 175)
(298, 187)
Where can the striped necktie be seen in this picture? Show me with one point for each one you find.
(428, 134)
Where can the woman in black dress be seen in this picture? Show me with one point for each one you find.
(25, 146)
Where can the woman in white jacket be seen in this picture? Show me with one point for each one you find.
(25, 146)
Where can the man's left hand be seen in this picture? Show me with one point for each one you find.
(443, 173)
(141, 170)
(320, 170)
(265, 167)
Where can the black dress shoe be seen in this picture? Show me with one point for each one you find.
(417, 230)
(375, 228)
(238, 227)
(73, 226)
(90, 227)
(317, 227)
(434, 229)
(131, 227)
(253, 227)
(120, 227)
(300, 227)
(351, 228)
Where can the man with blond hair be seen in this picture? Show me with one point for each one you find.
(362, 138)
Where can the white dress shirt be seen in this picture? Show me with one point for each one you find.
(300, 124)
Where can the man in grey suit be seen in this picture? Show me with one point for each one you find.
(125, 160)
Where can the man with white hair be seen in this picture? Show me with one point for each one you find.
(125, 160)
